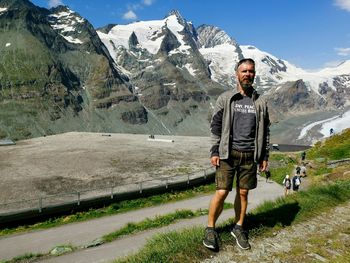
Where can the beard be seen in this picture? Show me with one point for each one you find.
(246, 84)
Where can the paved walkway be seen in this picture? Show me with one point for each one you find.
(80, 234)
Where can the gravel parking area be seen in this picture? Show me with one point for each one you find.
(80, 161)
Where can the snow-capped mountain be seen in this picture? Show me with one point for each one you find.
(289, 88)
(271, 71)
(169, 75)
(159, 76)
(148, 40)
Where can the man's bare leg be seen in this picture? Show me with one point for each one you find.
(241, 204)
(216, 206)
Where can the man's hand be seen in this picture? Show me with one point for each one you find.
(263, 166)
(215, 161)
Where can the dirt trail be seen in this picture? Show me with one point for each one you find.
(320, 239)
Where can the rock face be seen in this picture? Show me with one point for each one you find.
(55, 67)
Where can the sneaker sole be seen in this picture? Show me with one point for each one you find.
(245, 248)
(209, 246)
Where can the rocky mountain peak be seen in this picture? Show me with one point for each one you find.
(16, 4)
(106, 29)
(66, 22)
(211, 36)
(133, 41)
(179, 17)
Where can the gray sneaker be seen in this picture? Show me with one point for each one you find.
(211, 239)
(241, 238)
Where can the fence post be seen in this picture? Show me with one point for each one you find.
(40, 204)
(112, 192)
(140, 187)
(188, 179)
(78, 194)
(205, 174)
(166, 183)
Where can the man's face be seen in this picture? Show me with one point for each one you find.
(245, 75)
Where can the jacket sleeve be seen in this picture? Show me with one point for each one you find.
(216, 127)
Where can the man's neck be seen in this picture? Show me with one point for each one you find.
(245, 92)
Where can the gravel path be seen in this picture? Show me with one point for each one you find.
(320, 239)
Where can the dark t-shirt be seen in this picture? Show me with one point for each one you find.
(244, 124)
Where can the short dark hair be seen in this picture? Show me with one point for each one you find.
(244, 60)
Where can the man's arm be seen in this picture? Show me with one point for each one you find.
(215, 131)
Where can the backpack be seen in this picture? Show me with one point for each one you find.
(297, 181)
(287, 183)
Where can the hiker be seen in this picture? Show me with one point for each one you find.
(240, 143)
(286, 184)
(297, 170)
(267, 173)
(296, 182)
(303, 170)
(303, 155)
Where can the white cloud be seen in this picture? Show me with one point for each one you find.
(343, 4)
(148, 2)
(130, 15)
(54, 3)
(343, 51)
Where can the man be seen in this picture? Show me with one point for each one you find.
(240, 141)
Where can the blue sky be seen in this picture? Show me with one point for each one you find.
(308, 33)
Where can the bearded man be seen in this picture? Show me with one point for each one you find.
(240, 145)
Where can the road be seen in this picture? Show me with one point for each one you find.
(83, 233)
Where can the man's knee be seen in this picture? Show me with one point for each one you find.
(221, 194)
(243, 192)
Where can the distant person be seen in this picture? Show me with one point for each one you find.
(267, 173)
(331, 132)
(287, 184)
(240, 141)
(303, 155)
(303, 170)
(296, 182)
(297, 170)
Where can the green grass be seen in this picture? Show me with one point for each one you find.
(158, 221)
(119, 207)
(150, 223)
(333, 148)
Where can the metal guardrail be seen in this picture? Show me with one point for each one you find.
(77, 197)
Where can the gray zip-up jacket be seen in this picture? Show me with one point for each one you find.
(221, 126)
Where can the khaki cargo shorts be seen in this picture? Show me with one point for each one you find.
(239, 164)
